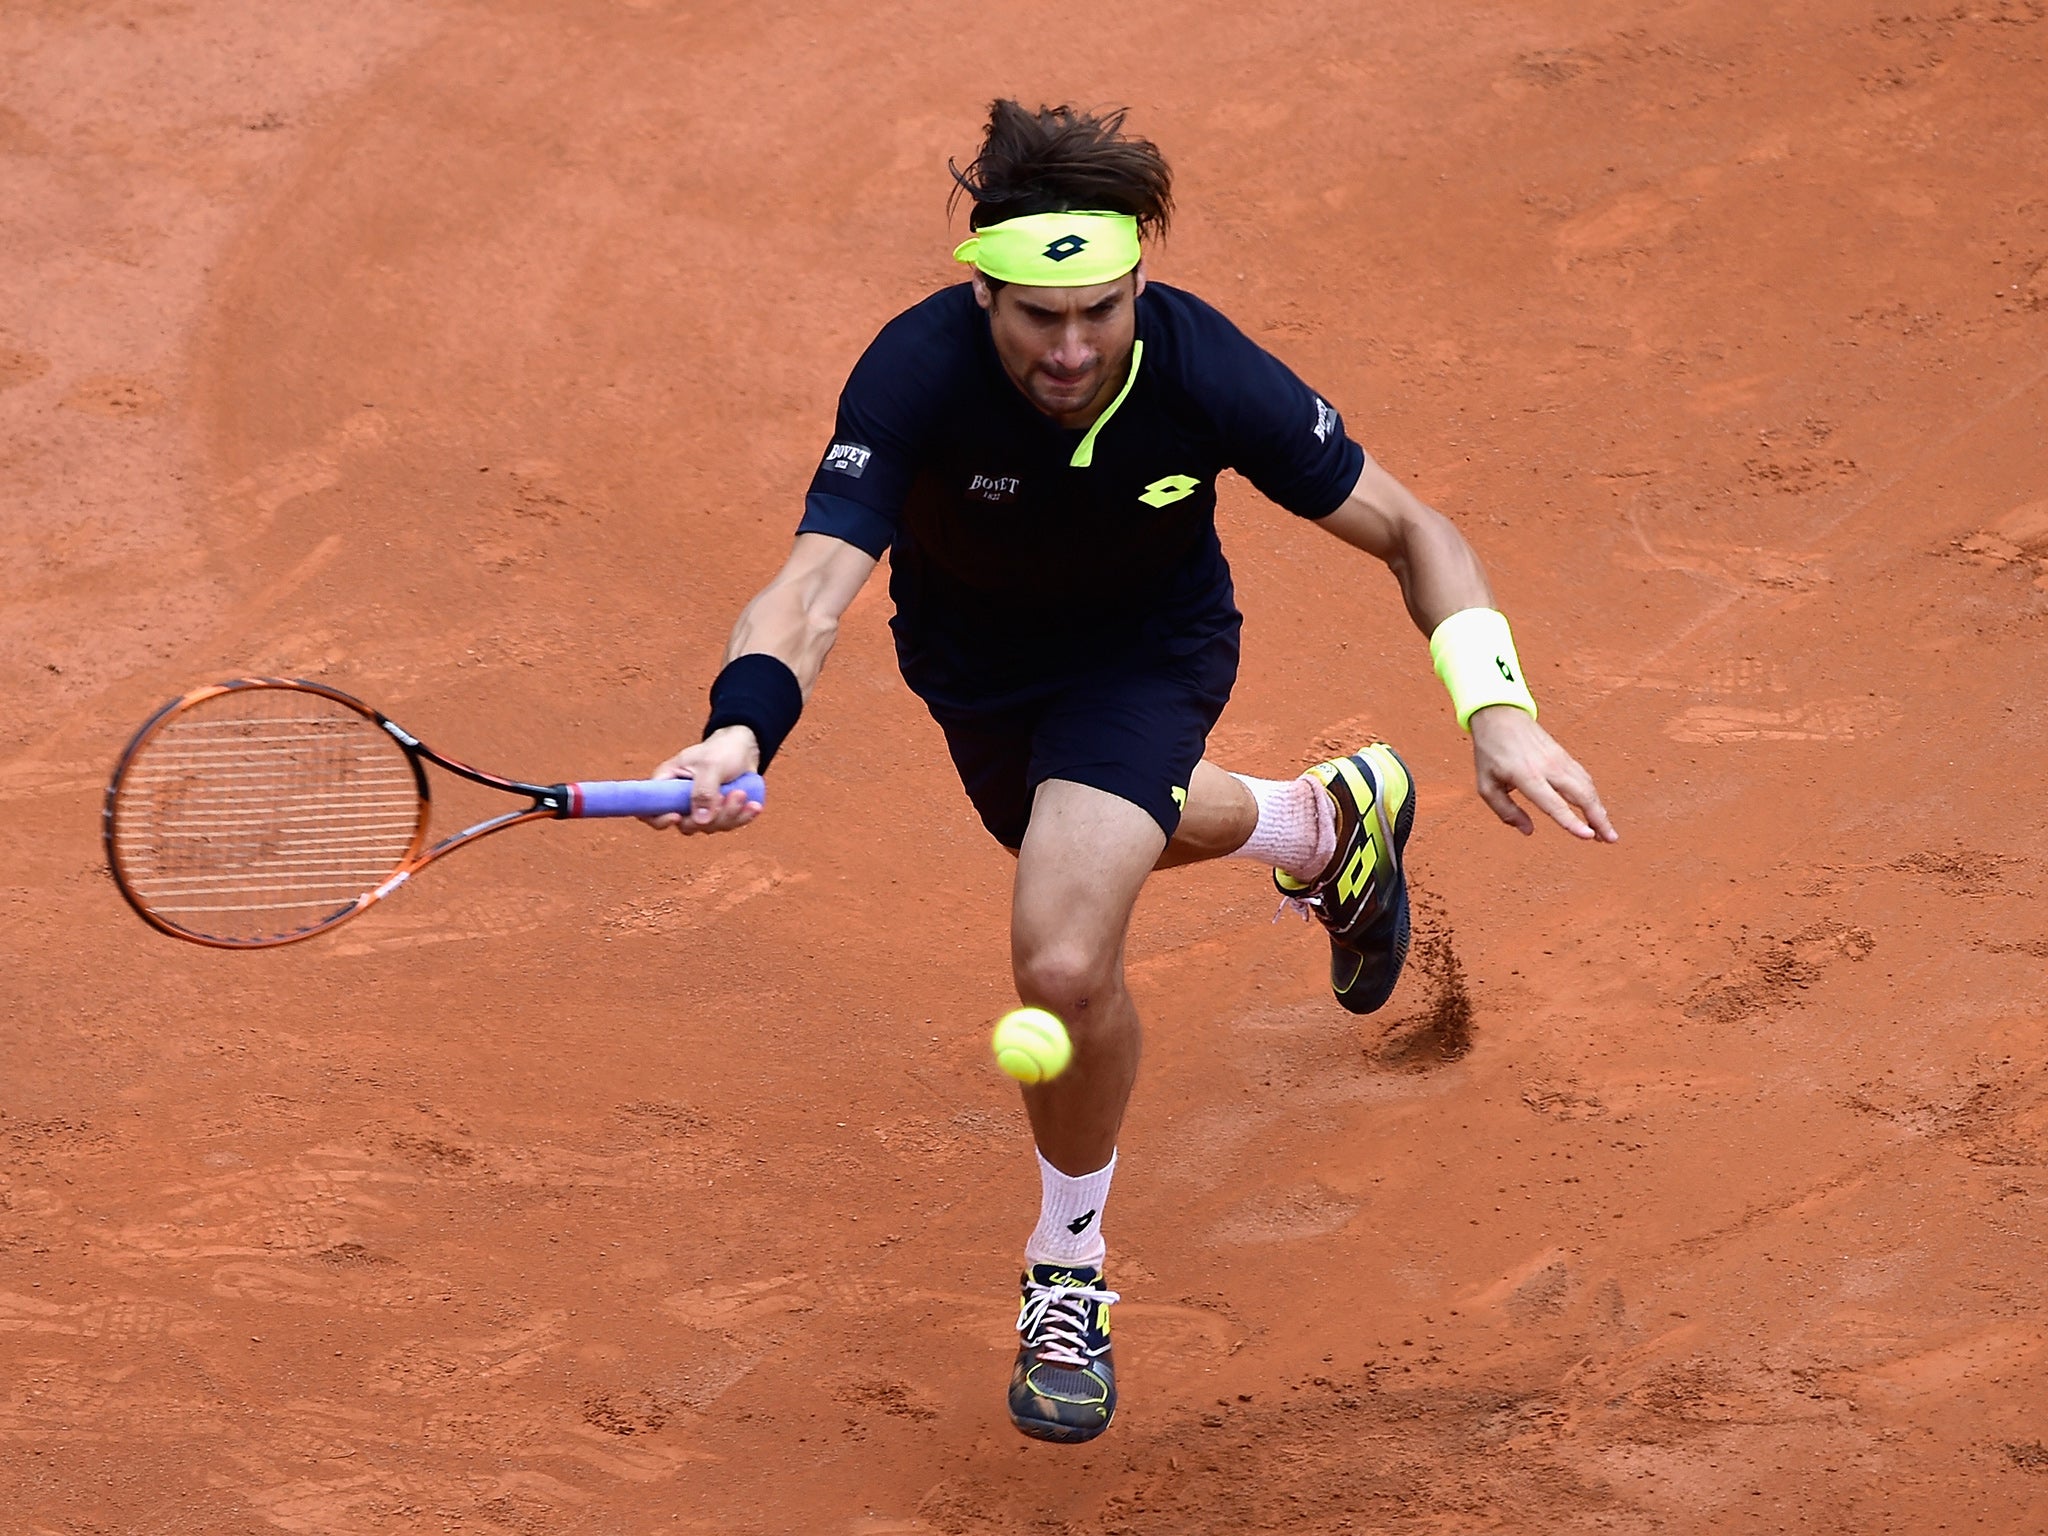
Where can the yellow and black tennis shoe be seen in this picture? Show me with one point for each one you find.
(1362, 897)
(1064, 1384)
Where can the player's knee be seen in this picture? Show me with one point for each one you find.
(1072, 979)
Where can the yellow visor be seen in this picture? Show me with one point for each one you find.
(1054, 250)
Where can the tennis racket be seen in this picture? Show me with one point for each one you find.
(262, 811)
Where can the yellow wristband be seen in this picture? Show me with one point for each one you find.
(1475, 656)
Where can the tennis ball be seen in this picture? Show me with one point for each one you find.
(1031, 1045)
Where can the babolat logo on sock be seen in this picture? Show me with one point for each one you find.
(1065, 246)
(1080, 1223)
(847, 459)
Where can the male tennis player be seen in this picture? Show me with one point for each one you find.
(1038, 448)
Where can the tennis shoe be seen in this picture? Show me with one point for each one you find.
(1064, 1385)
(1361, 897)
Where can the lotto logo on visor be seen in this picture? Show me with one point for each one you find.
(1054, 250)
(847, 459)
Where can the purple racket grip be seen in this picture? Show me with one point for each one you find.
(649, 797)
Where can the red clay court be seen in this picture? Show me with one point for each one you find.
(474, 358)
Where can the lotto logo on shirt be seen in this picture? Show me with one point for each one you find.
(1326, 421)
(847, 459)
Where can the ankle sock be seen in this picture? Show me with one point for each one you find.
(1297, 829)
(1069, 1229)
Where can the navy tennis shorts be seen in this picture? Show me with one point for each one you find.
(1135, 730)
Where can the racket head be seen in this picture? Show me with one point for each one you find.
(261, 811)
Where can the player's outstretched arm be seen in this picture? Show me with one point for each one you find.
(795, 619)
(1440, 575)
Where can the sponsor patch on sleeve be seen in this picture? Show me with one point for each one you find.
(847, 459)
(1326, 420)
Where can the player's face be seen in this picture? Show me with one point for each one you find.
(1065, 348)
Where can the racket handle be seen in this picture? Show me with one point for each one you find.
(649, 797)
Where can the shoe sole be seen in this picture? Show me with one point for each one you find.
(1376, 999)
(1059, 1434)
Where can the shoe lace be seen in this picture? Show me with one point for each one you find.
(1297, 904)
(1054, 1321)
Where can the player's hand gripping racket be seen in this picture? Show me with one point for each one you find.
(260, 811)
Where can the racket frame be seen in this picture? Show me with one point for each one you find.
(547, 801)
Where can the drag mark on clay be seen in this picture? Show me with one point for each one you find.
(272, 486)
(365, 1503)
(1955, 1365)
(897, 1399)
(926, 1142)
(711, 892)
(458, 915)
(1776, 973)
(744, 1305)
(1960, 872)
(316, 1202)
(625, 1414)
(2016, 541)
(1288, 1215)
(30, 778)
(1798, 474)
(1739, 568)
(1736, 573)
(1563, 1102)
(625, 1435)
(429, 1367)
(133, 1318)
(58, 1139)
(1999, 1121)
(343, 1280)
(557, 1169)
(1697, 1392)
(1632, 225)
(1833, 720)
(1537, 1287)
(119, 397)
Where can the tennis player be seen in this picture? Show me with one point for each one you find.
(1038, 449)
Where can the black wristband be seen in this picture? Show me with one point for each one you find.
(760, 692)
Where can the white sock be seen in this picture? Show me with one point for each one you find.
(1297, 830)
(1069, 1229)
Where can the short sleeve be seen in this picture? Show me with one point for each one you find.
(1277, 432)
(886, 412)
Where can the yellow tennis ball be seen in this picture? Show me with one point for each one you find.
(1032, 1045)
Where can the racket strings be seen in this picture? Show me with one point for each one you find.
(260, 812)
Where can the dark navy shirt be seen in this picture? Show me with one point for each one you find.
(1013, 568)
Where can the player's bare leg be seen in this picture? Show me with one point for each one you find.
(1079, 871)
(1218, 818)
(1083, 861)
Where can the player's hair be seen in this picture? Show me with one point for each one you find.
(1060, 160)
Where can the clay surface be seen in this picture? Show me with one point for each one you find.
(473, 358)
